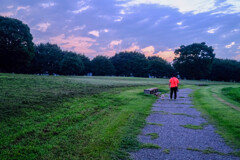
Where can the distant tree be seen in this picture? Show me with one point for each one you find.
(130, 64)
(159, 67)
(16, 46)
(47, 59)
(87, 64)
(71, 64)
(225, 70)
(102, 66)
(194, 61)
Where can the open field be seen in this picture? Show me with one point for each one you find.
(61, 117)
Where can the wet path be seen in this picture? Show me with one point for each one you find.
(177, 141)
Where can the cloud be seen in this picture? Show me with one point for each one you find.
(106, 30)
(148, 51)
(42, 26)
(79, 27)
(81, 10)
(7, 14)
(212, 30)
(47, 5)
(183, 6)
(115, 43)
(133, 47)
(237, 57)
(230, 45)
(229, 7)
(238, 47)
(73, 43)
(94, 33)
(23, 8)
(118, 19)
(168, 55)
(179, 23)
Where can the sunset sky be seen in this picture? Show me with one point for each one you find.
(153, 27)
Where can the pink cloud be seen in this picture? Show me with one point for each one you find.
(168, 55)
(237, 57)
(7, 14)
(148, 51)
(76, 44)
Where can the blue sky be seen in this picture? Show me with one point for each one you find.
(153, 27)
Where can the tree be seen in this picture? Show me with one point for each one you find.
(130, 64)
(102, 66)
(194, 61)
(47, 59)
(225, 70)
(87, 64)
(16, 46)
(71, 64)
(158, 67)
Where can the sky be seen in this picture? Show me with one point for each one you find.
(152, 27)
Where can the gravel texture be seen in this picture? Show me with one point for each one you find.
(177, 139)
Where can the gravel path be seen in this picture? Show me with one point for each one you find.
(176, 141)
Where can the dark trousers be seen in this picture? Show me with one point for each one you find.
(173, 90)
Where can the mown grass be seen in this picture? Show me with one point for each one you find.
(68, 119)
(62, 117)
(226, 119)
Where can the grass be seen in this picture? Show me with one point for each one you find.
(63, 117)
(153, 135)
(150, 146)
(192, 126)
(47, 117)
(222, 116)
(157, 124)
(183, 114)
(206, 151)
(167, 151)
(232, 93)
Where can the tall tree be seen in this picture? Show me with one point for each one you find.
(225, 70)
(158, 67)
(194, 61)
(87, 64)
(130, 64)
(102, 66)
(47, 59)
(71, 64)
(16, 46)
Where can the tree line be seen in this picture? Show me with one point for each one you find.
(19, 54)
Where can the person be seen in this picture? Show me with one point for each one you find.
(173, 85)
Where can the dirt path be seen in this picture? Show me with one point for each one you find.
(224, 102)
(180, 142)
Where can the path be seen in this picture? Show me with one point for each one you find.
(176, 141)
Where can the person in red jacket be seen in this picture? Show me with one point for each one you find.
(173, 85)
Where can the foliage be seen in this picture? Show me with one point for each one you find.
(130, 64)
(194, 61)
(102, 66)
(16, 46)
(158, 67)
(47, 59)
(225, 70)
(71, 64)
(86, 63)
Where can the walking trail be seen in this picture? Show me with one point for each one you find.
(176, 141)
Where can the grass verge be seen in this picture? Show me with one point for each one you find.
(226, 119)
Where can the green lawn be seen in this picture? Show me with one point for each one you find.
(71, 117)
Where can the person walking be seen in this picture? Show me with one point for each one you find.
(173, 85)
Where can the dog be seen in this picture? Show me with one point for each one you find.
(162, 96)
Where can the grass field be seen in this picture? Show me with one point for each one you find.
(62, 117)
